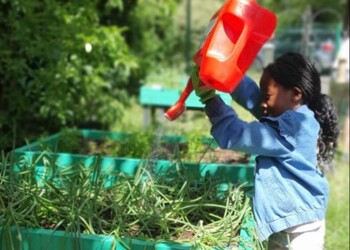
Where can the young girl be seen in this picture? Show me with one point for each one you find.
(295, 138)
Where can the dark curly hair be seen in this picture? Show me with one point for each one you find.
(294, 70)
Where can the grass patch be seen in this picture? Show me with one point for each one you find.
(337, 218)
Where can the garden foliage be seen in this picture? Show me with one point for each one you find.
(71, 63)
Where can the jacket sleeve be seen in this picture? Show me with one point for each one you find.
(230, 132)
(247, 95)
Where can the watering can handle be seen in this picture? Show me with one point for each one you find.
(179, 107)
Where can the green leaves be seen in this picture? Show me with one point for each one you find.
(60, 67)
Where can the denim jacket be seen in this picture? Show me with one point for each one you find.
(289, 189)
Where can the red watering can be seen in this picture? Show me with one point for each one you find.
(236, 33)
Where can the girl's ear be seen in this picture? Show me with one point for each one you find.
(296, 95)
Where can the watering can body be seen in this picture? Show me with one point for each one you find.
(234, 36)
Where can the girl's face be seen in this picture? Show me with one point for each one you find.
(276, 99)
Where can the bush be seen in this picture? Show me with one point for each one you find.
(67, 63)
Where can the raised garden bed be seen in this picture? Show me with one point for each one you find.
(207, 187)
(202, 156)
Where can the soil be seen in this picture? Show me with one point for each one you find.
(226, 156)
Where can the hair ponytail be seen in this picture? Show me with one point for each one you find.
(326, 115)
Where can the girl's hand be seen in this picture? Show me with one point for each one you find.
(203, 91)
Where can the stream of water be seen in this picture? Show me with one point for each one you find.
(153, 157)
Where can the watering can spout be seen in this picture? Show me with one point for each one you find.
(179, 107)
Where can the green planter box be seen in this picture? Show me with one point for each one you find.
(233, 173)
(34, 239)
(50, 239)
